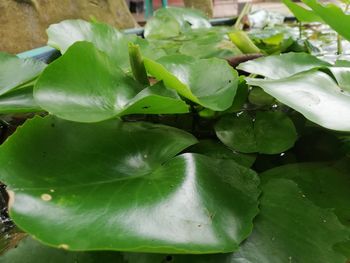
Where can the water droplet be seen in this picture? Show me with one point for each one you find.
(145, 156)
(239, 113)
(324, 221)
(303, 195)
(274, 106)
(52, 190)
(46, 197)
(282, 154)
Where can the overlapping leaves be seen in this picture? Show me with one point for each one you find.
(86, 85)
(295, 80)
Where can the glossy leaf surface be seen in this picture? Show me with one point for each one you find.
(104, 37)
(211, 83)
(314, 94)
(15, 71)
(31, 251)
(333, 15)
(85, 85)
(18, 101)
(219, 151)
(282, 66)
(269, 133)
(289, 228)
(170, 22)
(147, 201)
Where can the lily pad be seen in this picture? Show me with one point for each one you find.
(31, 251)
(85, 85)
(269, 132)
(314, 94)
(105, 38)
(282, 66)
(148, 200)
(211, 83)
(15, 72)
(170, 22)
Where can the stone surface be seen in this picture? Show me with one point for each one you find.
(23, 22)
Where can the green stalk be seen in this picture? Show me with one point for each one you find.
(339, 37)
(137, 65)
(245, 11)
(243, 42)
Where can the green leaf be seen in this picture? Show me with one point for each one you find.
(31, 251)
(322, 184)
(314, 94)
(15, 71)
(170, 22)
(301, 13)
(333, 15)
(147, 201)
(19, 101)
(259, 97)
(104, 37)
(211, 83)
(289, 228)
(281, 66)
(269, 132)
(219, 151)
(243, 42)
(87, 86)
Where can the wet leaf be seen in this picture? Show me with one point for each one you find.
(19, 101)
(269, 132)
(87, 86)
(211, 83)
(148, 200)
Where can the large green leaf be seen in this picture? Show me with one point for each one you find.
(314, 94)
(19, 101)
(116, 186)
(333, 15)
(87, 86)
(15, 71)
(170, 22)
(281, 66)
(289, 228)
(31, 251)
(301, 13)
(211, 83)
(322, 184)
(269, 132)
(104, 37)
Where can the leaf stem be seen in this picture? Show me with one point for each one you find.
(245, 11)
(137, 65)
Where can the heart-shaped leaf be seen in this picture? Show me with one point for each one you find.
(170, 22)
(333, 15)
(104, 37)
(15, 71)
(269, 132)
(314, 94)
(31, 251)
(117, 186)
(87, 86)
(211, 83)
(282, 66)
